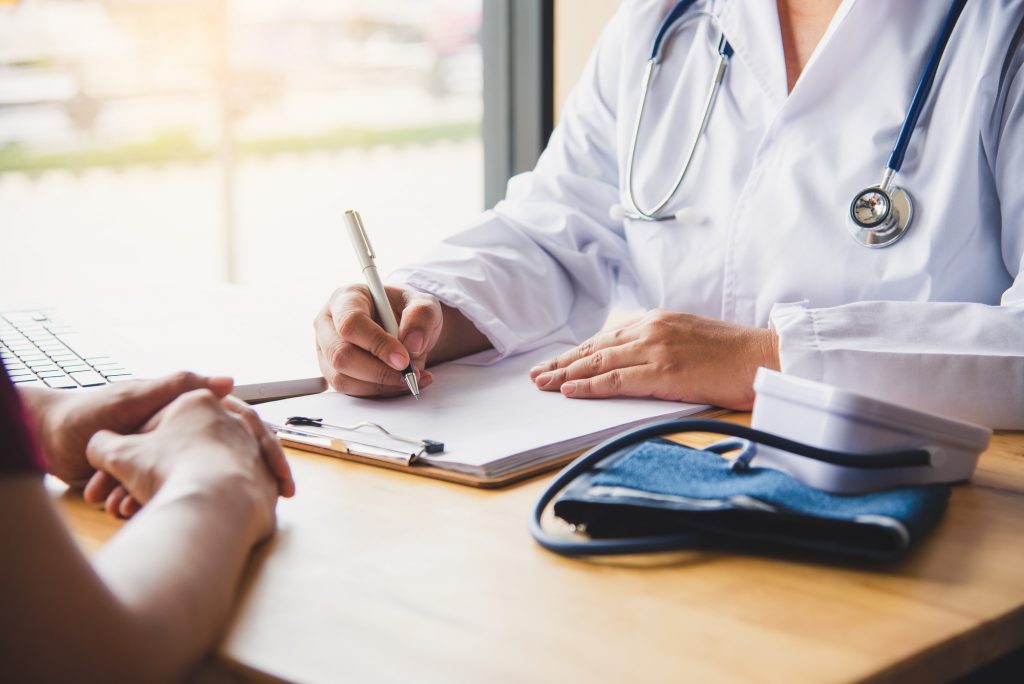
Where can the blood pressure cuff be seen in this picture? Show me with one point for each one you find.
(659, 487)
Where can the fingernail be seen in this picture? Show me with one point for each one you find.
(397, 361)
(536, 370)
(544, 379)
(569, 389)
(414, 342)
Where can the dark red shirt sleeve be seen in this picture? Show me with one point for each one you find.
(18, 450)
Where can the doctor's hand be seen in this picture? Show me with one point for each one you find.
(665, 355)
(358, 357)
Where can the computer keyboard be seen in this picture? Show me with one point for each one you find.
(38, 350)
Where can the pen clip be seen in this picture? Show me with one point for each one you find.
(358, 222)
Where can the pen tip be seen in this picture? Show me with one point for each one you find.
(412, 384)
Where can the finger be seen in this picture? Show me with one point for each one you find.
(99, 487)
(611, 338)
(273, 454)
(600, 362)
(637, 381)
(351, 314)
(420, 323)
(144, 398)
(129, 506)
(348, 360)
(105, 450)
(361, 388)
(113, 503)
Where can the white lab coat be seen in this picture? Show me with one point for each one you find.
(935, 321)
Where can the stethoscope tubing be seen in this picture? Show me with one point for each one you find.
(725, 52)
(866, 234)
(924, 87)
(905, 458)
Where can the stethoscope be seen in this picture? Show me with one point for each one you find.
(879, 215)
(742, 438)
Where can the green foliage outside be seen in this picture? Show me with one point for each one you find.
(180, 146)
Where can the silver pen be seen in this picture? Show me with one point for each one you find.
(366, 255)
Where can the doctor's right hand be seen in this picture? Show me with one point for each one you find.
(358, 357)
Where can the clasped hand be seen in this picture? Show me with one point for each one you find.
(123, 442)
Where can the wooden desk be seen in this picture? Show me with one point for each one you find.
(376, 576)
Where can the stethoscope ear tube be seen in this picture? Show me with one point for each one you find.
(675, 542)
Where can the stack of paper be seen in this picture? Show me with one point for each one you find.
(492, 419)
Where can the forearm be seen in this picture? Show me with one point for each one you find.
(174, 570)
(156, 601)
(459, 338)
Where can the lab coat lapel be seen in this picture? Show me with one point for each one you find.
(752, 26)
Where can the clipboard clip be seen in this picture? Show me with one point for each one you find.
(428, 446)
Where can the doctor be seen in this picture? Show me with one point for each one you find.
(758, 259)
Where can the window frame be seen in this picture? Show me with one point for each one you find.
(518, 56)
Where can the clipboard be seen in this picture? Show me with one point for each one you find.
(314, 436)
(488, 426)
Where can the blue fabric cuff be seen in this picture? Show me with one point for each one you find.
(660, 487)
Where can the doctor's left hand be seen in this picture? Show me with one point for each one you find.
(665, 355)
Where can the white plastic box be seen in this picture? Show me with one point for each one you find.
(831, 418)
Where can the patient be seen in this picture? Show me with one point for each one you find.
(203, 476)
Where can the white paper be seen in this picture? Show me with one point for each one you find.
(491, 419)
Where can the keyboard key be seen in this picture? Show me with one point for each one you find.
(27, 382)
(65, 356)
(62, 382)
(41, 365)
(56, 373)
(88, 378)
(73, 366)
(33, 357)
(120, 378)
(20, 372)
(113, 372)
(104, 365)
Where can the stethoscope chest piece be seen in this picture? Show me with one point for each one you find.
(879, 217)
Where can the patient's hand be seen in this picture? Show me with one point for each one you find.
(67, 420)
(200, 446)
(666, 355)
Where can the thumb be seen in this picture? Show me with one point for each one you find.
(144, 398)
(420, 325)
(108, 451)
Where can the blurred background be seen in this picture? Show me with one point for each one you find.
(219, 141)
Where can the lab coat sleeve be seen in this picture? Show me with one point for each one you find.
(963, 360)
(543, 266)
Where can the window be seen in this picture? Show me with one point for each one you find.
(147, 141)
